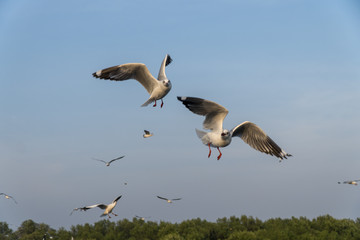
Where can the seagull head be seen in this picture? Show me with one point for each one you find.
(166, 83)
(225, 134)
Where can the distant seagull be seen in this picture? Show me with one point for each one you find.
(108, 208)
(157, 88)
(352, 182)
(169, 200)
(218, 137)
(8, 197)
(141, 218)
(108, 163)
(147, 134)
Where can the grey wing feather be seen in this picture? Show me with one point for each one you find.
(116, 159)
(175, 199)
(99, 160)
(258, 139)
(137, 71)
(162, 198)
(214, 113)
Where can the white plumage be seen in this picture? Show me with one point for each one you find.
(218, 137)
(157, 88)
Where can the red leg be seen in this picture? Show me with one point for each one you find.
(162, 103)
(154, 104)
(218, 158)
(209, 150)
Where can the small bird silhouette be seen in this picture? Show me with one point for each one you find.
(147, 134)
(8, 197)
(109, 162)
(169, 200)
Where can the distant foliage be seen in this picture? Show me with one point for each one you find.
(233, 228)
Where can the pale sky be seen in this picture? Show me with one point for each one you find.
(292, 67)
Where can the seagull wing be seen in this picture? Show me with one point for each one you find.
(162, 198)
(146, 132)
(258, 139)
(116, 199)
(13, 199)
(167, 60)
(99, 160)
(116, 159)
(81, 209)
(137, 71)
(214, 113)
(175, 199)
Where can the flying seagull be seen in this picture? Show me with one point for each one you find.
(8, 197)
(157, 88)
(218, 137)
(141, 218)
(352, 182)
(108, 163)
(108, 208)
(147, 134)
(169, 200)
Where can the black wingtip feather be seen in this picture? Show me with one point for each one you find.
(168, 60)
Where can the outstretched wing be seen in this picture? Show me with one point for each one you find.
(8, 196)
(175, 199)
(116, 159)
(162, 198)
(99, 160)
(167, 60)
(258, 139)
(81, 209)
(214, 113)
(116, 199)
(137, 71)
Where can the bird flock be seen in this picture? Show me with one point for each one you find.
(217, 137)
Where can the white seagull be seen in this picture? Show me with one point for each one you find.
(352, 182)
(8, 197)
(108, 208)
(147, 134)
(109, 162)
(218, 137)
(141, 218)
(169, 200)
(157, 88)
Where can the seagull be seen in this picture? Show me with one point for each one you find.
(108, 163)
(141, 218)
(8, 197)
(157, 88)
(218, 137)
(352, 182)
(147, 134)
(169, 200)
(108, 208)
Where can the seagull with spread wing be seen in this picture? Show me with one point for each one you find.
(8, 197)
(108, 208)
(352, 182)
(169, 200)
(218, 137)
(157, 88)
(147, 134)
(109, 162)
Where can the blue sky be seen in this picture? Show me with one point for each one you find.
(292, 67)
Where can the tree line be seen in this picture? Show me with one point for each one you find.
(233, 228)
